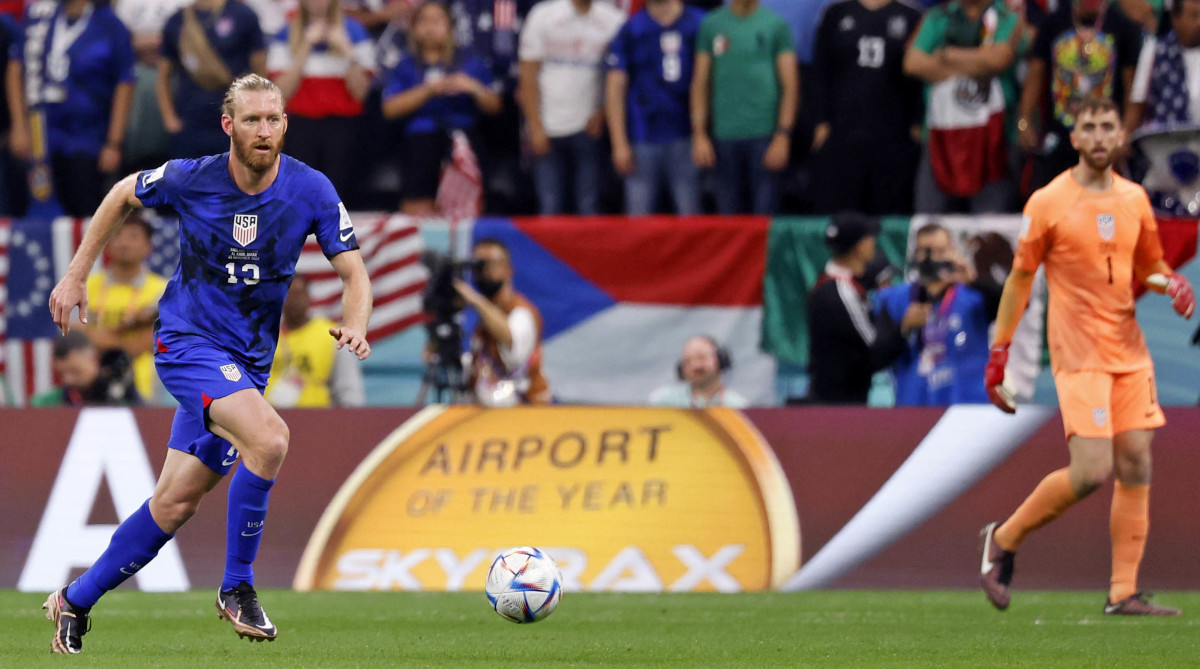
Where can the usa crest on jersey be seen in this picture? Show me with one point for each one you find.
(231, 372)
(1106, 225)
(245, 228)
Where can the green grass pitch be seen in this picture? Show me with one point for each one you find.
(817, 629)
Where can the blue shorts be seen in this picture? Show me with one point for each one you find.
(196, 372)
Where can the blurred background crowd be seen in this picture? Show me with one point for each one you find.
(591, 106)
(603, 107)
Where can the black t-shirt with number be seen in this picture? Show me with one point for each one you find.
(860, 88)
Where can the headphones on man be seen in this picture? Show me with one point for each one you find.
(724, 361)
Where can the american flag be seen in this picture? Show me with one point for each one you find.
(504, 14)
(165, 257)
(35, 253)
(391, 249)
(460, 191)
(5, 229)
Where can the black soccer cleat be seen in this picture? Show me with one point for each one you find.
(995, 569)
(241, 608)
(70, 623)
(1138, 604)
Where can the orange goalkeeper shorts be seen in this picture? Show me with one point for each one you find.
(1101, 404)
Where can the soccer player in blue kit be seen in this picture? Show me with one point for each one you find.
(244, 216)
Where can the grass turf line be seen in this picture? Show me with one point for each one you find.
(818, 629)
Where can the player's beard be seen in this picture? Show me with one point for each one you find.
(1097, 163)
(255, 161)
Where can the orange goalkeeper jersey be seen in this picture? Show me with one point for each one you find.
(1090, 242)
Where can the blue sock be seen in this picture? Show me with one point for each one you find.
(133, 546)
(244, 524)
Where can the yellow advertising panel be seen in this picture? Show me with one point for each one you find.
(633, 499)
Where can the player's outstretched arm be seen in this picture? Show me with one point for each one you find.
(71, 290)
(356, 303)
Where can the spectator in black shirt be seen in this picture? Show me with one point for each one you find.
(1079, 52)
(848, 345)
(866, 109)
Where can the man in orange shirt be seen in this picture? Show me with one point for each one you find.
(1094, 232)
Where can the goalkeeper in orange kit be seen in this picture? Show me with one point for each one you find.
(1094, 232)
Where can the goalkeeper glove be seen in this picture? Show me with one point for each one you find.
(1182, 297)
(998, 392)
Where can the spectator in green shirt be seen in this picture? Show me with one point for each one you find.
(746, 74)
(960, 51)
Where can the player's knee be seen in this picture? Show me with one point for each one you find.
(170, 512)
(273, 445)
(1091, 478)
(1134, 470)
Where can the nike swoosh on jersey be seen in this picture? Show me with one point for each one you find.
(346, 235)
(226, 463)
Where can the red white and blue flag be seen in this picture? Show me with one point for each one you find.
(391, 247)
(619, 298)
(34, 254)
(460, 190)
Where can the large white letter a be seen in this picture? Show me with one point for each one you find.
(105, 444)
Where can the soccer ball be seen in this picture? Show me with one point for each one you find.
(524, 585)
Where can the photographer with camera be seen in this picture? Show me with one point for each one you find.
(88, 378)
(944, 359)
(848, 343)
(506, 348)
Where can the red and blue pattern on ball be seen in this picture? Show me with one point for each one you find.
(529, 613)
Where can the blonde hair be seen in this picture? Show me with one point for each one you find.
(250, 83)
(333, 16)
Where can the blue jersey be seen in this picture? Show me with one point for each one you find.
(440, 113)
(486, 29)
(72, 69)
(237, 252)
(658, 60)
(235, 35)
(943, 363)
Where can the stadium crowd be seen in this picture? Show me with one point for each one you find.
(595, 106)
(591, 106)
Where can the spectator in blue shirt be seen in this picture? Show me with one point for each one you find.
(944, 359)
(192, 81)
(73, 68)
(436, 90)
(486, 29)
(650, 65)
